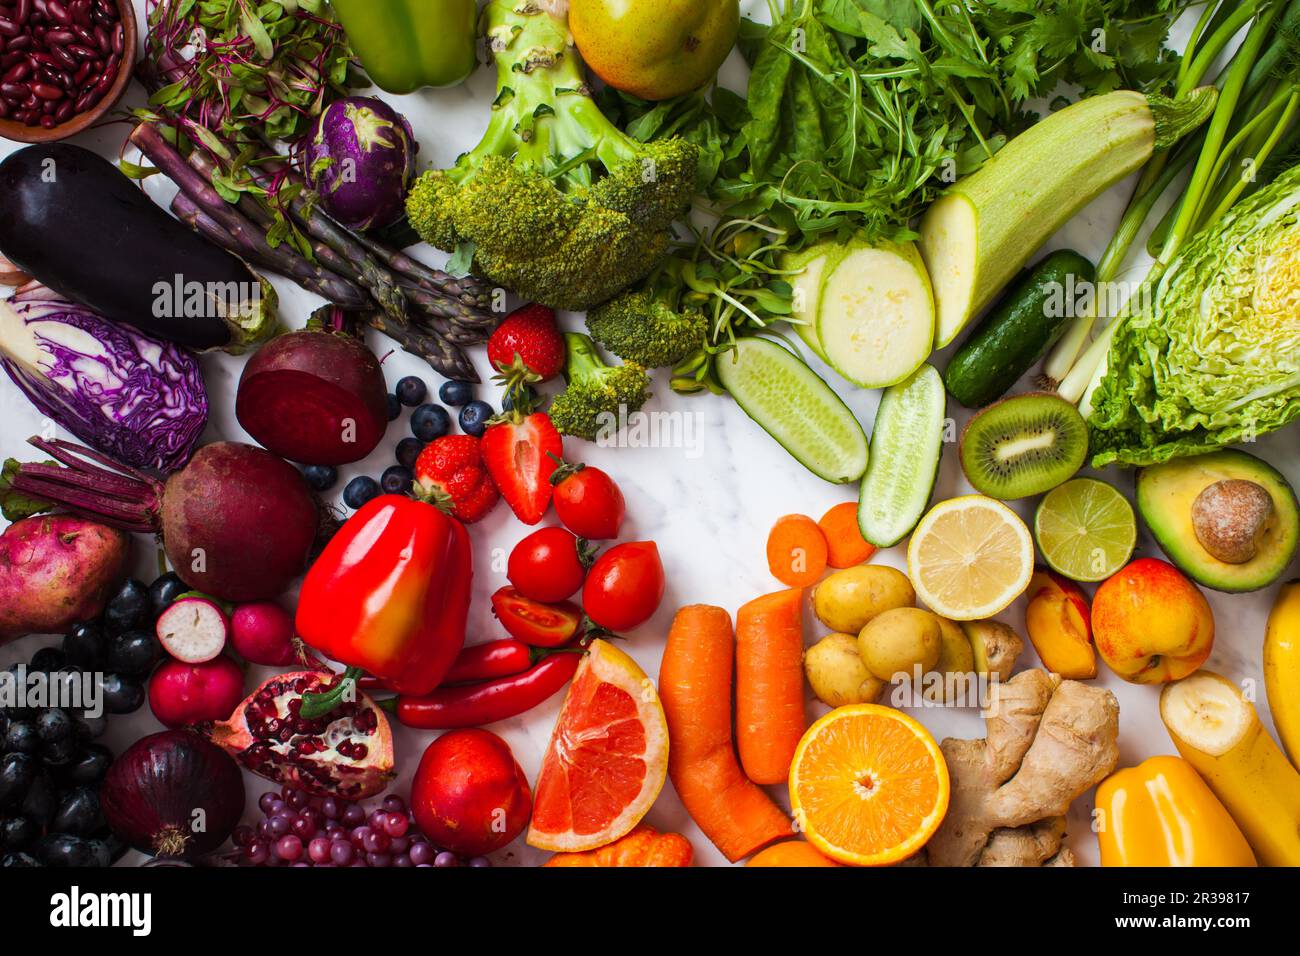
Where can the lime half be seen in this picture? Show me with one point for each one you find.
(1085, 529)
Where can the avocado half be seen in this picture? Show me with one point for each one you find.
(1165, 494)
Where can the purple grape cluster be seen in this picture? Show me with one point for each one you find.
(297, 829)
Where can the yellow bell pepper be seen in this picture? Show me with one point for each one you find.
(1161, 813)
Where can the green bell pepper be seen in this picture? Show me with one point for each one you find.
(408, 44)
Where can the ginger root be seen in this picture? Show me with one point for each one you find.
(1048, 742)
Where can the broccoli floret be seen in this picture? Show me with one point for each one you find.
(598, 396)
(555, 202)
(657, 323)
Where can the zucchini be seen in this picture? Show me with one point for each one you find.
(776, 389)
(905, 448)
(1018, 331)
(977, 235)
(875, 321)
(815, 261)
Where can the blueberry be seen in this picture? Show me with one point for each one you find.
(129, 608)
(121, 694)
(18, 860)
(457, 393)
(165, 590)
(396, 480)
(84, 645)
(429, 422)
(474, 418)
(360, 490)
(411, 391)
(47, 659)
(394, 407)
(408, 450)
(321, 477)
(508, 399)
(133, 653)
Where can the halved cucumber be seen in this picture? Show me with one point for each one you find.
(905, 449)
(795, 407)
(875, 319)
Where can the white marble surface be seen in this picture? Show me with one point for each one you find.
(708, 504)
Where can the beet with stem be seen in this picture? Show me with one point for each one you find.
(237, 522)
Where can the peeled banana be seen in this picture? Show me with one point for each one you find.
(1282, 668)
(1218, 732)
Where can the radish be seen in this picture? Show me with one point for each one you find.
(56, 570)
(237, 522)
(193, 630)
(314, 397)
(181, 693)
(262, 633)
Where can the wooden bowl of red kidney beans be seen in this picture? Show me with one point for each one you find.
(63, 64)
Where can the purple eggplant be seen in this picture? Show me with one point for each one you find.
(360, 159)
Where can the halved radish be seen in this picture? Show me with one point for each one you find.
(193, 630)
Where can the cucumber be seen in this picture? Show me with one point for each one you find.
(1018, 331)
(777, 390)
(905, 449)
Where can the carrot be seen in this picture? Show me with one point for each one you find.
(695, 690)
(796, 551)
(844, 542)
(769, 684)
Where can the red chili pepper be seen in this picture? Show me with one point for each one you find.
(480, 662)
(472, 705)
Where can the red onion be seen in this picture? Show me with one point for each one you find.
(173, 794)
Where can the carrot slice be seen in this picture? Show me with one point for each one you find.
(769, 684)
(796, 551)
(695, 690)
(844, 542)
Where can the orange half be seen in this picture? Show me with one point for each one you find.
(868, 785)
(607, 759)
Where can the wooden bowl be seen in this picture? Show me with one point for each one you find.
(39, 134)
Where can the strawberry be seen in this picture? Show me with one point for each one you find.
(451, 474)
(522, 451)
(527, 347)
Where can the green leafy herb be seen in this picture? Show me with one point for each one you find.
(15, 505)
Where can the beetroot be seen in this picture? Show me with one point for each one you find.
(181, 693)
(237, 522)
(314, 397)
(56, 570)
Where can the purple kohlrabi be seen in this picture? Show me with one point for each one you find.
(360, 158)
(128, 395)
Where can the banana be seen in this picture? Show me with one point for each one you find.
(1218, 732)
(1282, 667)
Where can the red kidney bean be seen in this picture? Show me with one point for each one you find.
(17, 73)
(58, 58)
(57, 12)
(8, 28)
(82, 52)
(47, 91)
(4, 108)
(59, 37)
(24, 11)
(14, 91)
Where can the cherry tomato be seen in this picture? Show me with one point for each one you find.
(534, 623)
(548, 565)
(588, 502)
(624, 586)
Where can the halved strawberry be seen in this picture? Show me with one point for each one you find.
(521, 451)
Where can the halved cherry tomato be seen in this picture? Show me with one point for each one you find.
(549, 564)
(624, 586)
(534, 623)
(588, 502)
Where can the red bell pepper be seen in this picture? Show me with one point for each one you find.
(472, 705)
(389, 595)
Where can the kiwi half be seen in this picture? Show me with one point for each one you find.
(1023, 446)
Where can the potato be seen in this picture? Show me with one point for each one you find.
(956, 656)
(894, 642)
(836, 672)
(848, 599)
